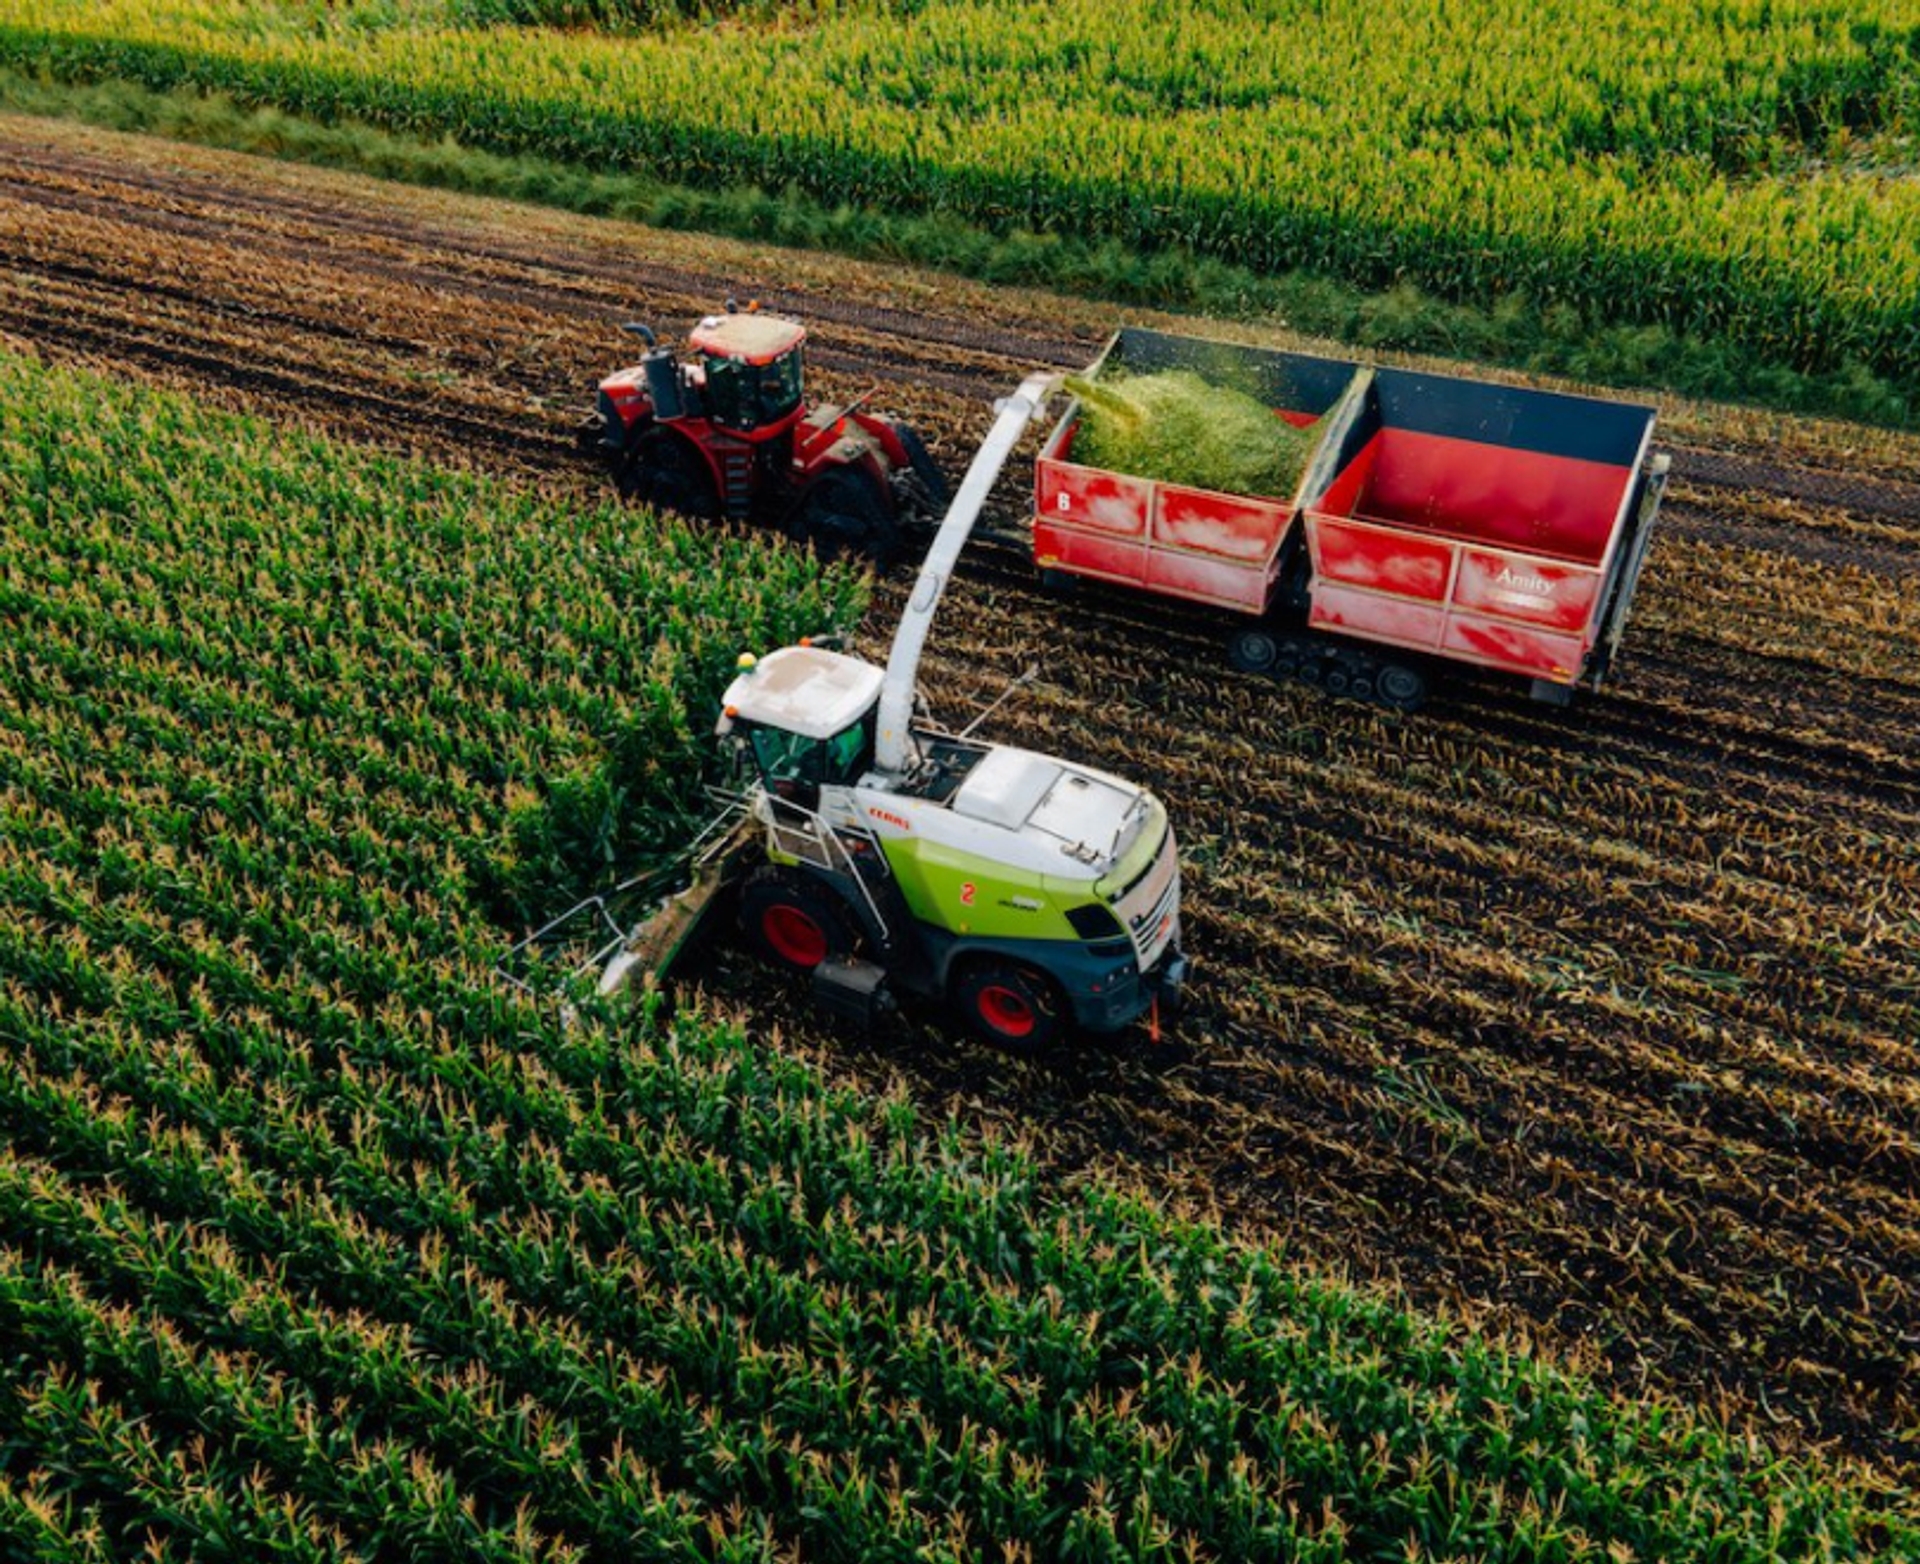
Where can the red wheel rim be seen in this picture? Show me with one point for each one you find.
(794, 935)
(1006, 1011)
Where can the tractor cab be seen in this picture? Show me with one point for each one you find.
(749, 374)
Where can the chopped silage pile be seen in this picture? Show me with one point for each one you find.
(1175, 427)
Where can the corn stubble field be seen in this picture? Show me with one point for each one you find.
(1592, 1026)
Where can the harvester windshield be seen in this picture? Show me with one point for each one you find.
(794, 758)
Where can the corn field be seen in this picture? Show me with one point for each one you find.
(315, 1244)
(1738, 172)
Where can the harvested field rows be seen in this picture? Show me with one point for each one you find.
(1598, 1025)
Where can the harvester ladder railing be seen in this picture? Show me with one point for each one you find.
(794, 831)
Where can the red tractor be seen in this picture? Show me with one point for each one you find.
(730, 435)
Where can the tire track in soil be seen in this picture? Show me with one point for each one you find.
(1627, 1172)
(1749, 757)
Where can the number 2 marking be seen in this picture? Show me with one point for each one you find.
(966, 894)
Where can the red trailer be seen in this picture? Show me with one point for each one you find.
(1439, 520)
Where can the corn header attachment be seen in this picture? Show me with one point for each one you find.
(639, 928)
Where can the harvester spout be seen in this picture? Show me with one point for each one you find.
(896, 694)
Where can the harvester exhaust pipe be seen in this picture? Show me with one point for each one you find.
(896, 693)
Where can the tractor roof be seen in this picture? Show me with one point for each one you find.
(805, 690)
(758, 339)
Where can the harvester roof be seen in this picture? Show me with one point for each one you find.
(1048, 801)
(805, 690)
(754, 339)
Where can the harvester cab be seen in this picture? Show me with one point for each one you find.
(807, 723)
(728, 432)
(1027, 892)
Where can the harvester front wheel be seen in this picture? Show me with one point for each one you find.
(794, 921)
(1008, 1005)
(845, 517)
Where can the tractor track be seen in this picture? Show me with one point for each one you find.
(1724, 520)
(563, 292)
(1453, 1208)
(269, 389)
(1593, 1025)
(597, 291)
(1744, 722)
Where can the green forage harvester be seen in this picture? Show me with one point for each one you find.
(1175, 427)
